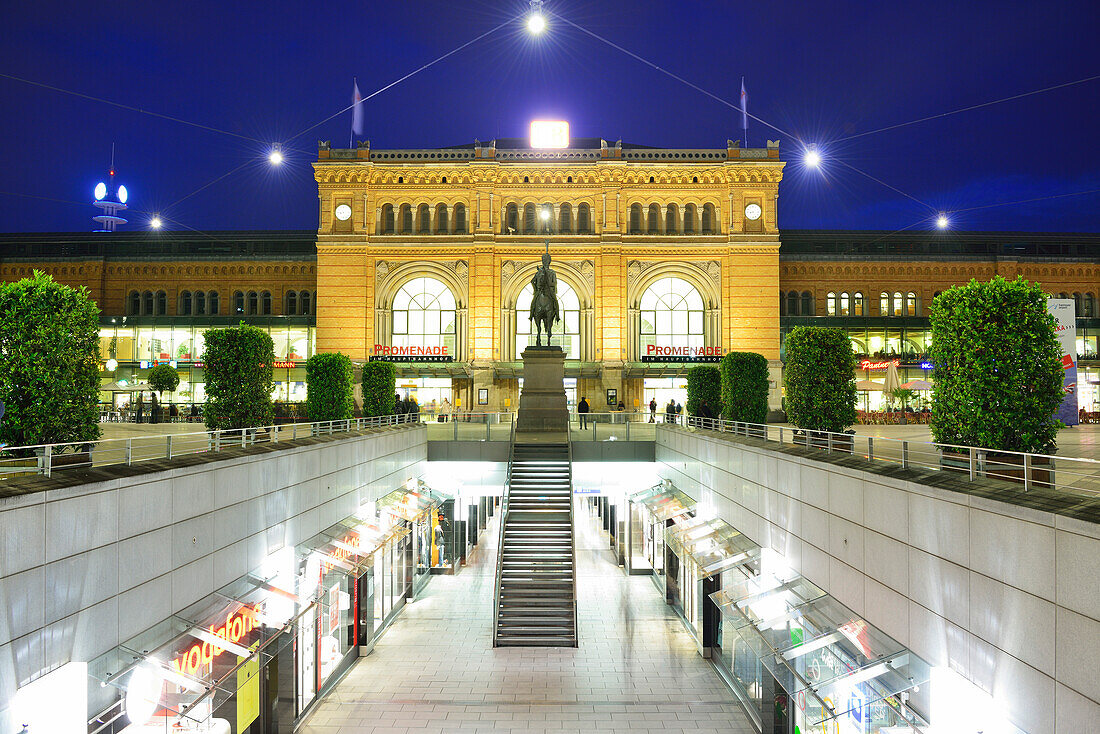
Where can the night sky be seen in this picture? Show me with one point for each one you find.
(818, 71)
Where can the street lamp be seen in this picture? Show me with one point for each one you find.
(155, 223)
(536, 21)
(275, 157)
(942, 221)
(812, 159)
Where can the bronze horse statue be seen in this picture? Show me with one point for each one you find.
(544, 304)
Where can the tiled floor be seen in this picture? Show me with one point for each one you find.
(435, 670)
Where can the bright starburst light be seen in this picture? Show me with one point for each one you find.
(275, 157)
(536, 21)
(812, 159)
(155, 223)
(941, 221)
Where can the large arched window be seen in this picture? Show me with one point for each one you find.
(265, 303)
(845, 304)
(857, 304)
(147, 303)
(910, 304)
(792, 303)
(460, 218)
(387, 223)
(185, 303)
(253, 303)
(424, 315)
(830, 303)
(672, 219)
(898, 307)
(134, 307)
(162, 303)
(689, 219)
(635, 219)
(529, 225)
(807, 308)
(567, 332)
(671, 315)
(304, 303)
(423, 219)
(1088, 306)
(238, 302)
(441, 219)
(708, 219)
(584, 219)
(290, 304)
(406, 219)
(884, 304)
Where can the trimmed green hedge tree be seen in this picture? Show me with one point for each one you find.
(164, 377)
(379, 386)
(997, 367)
(49, 362)
(820, 378)
(704, 387)
(745, 387)
(329, 392)
(239, 363)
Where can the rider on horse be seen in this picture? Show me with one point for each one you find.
(544, 303)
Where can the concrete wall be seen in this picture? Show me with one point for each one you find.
(1007, 596)
(85, 567)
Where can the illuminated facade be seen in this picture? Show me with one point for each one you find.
(654, 249)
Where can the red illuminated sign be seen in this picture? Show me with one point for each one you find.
(867, 364)
(236, 626)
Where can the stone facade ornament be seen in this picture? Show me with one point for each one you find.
(461, 269)
(588, 270)
(381, 269)
(507, 269)
(714, 270)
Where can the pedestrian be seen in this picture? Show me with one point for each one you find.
(154, 410)
(582, 412)
(670, 411)
(622, 406)
(173, 413)
(140, 408)
(653, 410)
(679, 410)
(445, 411)
(398, 404)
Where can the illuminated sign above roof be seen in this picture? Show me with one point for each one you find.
(549, 134)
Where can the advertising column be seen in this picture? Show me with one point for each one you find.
(1065, 327)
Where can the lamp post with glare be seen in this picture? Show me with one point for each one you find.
(812, 158)
(536, 21)
(942, 221)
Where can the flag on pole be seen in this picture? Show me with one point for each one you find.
(745, 111)
(356, 110)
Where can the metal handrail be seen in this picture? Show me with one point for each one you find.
(169, 445)
(573, 546)
(500, 534)
(1075, 475)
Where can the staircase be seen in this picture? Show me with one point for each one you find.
(536, 586)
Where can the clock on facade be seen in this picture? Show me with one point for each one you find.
(343, 212)
(752, 211)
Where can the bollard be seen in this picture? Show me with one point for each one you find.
(1027, 472)
(904, 454)
(870, 448)
(973, 462)
(129, 451)
(168, 446)
(47, 460)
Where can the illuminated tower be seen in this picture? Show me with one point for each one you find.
(110, 200)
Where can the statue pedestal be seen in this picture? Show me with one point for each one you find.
(542, 405)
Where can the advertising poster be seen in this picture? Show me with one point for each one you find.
(1065, 326)
(248, 691)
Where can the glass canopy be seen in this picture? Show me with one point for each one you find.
(827, 657)
(412, 500)
(664, 501)
(714, 545)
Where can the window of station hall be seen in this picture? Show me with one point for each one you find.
(567, 332)
(671, 315)
(424, 315)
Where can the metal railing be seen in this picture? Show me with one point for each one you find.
(500, 534)
(46, 459)
(616, 426)
(573, 548)
(1073, 475)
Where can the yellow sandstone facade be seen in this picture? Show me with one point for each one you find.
(621, 221)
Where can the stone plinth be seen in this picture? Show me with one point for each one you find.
(542, 405)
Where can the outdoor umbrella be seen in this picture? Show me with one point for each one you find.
(868, 385)
(917, 385)
(892, 382)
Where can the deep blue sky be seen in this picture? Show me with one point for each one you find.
(817, 70)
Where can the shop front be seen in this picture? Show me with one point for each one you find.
(437, 536)
(649, 512)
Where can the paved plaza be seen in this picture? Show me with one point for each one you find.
(435, 669)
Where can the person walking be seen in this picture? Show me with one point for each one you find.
(445, 411)
(653, 410)
(670, 411)
(679, 410)
(582, 412)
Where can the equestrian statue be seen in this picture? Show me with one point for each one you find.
(544, 303)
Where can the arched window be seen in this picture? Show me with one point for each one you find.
(845, 304)
(265, 303)
(406, 219)
(511, 220)
(857, 304)
(290, 303)
(441, 219)
(897, 308)
(1088, 306)
(238, 302)
(830, 303)
(305, 304)
(529, 219)
(546, 226)
(565, 219)
(567, 332)
(654, 219)
(134, 307)
(1077, 304)
(689, 221)
(584, 219)
(253, 303)
(792, 303)
(423, 219)
(807, 308)
(1063, 295)
(671, 315)
(162, 303)
(185, 303)
(635, 219)
(884, 304)
(200, 303)
(212, 304)
(708, 220)
(424, 315)
(387, 223)
(672, 219)
(460, 218)
(910, 304)
(147, 303)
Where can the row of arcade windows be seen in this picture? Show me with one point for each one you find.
(423, 220)
(207, 303)
(655, 220)
(896, 304)
(567, 221)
